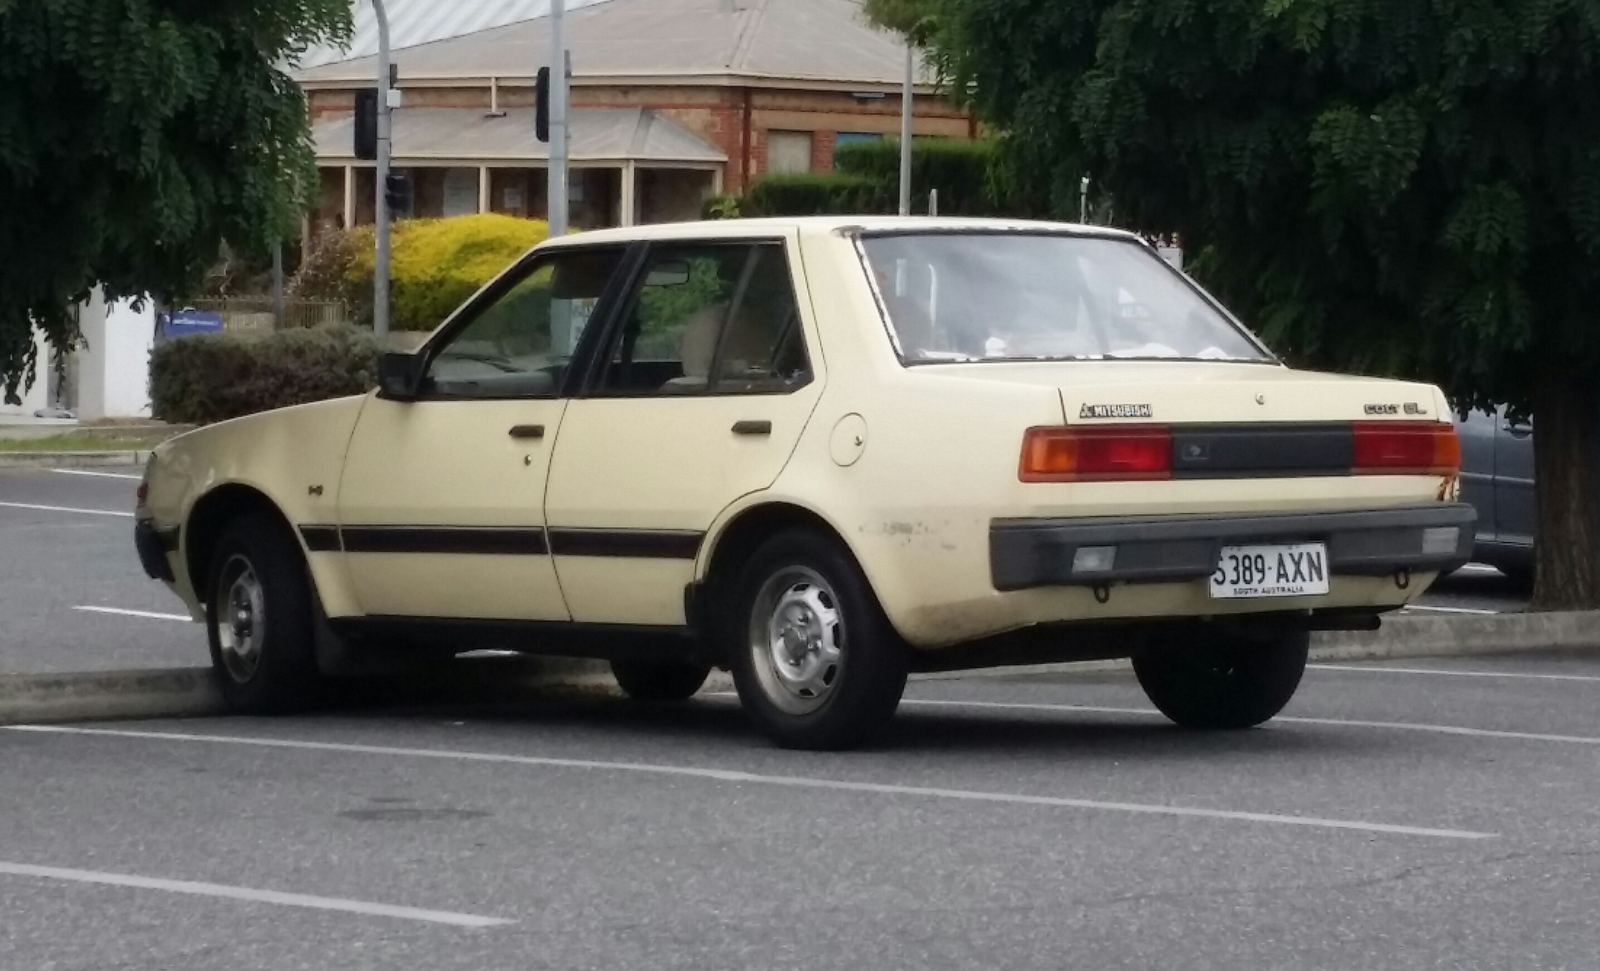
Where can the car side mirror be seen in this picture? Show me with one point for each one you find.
(399, 376)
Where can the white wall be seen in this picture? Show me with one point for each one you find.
(114, 364)
(37, 398)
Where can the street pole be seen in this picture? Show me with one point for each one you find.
(277, 286)
(905, 130)
(380, 268)
(557, 192)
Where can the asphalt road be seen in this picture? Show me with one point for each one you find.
(64, 565)
(1401, 817)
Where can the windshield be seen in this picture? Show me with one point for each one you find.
(992, 297)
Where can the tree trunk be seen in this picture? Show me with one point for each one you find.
(1566, 444)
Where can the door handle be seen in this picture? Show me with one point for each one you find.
(752, 428)
(527, 431)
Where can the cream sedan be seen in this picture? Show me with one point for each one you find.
(821, 453)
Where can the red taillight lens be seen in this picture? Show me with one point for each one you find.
(1405, 448)
(141, 493)
(1111, 453)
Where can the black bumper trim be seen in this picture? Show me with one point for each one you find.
(153, 545)
(1027, 553)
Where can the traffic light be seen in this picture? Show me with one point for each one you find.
(541, 106)
(366, 123)
(397, 192)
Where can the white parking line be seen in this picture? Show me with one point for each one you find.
(800, 782)
(86, 512)
(113, 475)
(1291, 719)
(1457, 674)
(255, 896)
(123, 612)
(1447, 610)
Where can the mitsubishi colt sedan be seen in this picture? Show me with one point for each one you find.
(821, 453)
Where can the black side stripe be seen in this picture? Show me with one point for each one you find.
(664, 544)
(667, 544)
(321, 539)
(528, 541)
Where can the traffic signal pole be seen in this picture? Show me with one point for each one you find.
(557, 193)
(380, 268)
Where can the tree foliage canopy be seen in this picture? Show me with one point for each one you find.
(136, 136)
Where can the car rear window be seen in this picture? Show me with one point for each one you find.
(952, 297)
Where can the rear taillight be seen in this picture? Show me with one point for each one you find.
(1110, 453)
(141, 494)
(1405, 448)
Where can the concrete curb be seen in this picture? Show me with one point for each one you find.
(170, 693)
(72, 460)
(191, 692)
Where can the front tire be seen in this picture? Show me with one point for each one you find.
(259, 618)
(816, 663)
(1208, 679)
(659, 680)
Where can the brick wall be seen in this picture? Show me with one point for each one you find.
(717, 114)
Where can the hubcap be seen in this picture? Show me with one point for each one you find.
(797, 640)
(239, 618)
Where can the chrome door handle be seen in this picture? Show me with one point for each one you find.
(527, 431)
(752, 428)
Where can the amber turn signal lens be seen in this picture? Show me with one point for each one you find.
(1405, 448)
(1105, 454)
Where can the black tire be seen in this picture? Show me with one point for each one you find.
(837, 645)
(1209, 679)
(659, 680)
(265, 662)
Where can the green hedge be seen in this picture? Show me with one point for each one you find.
(813, 194)
(436, 264)
(961, 169)
(213, 377)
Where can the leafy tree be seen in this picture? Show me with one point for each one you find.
(1407, 187)
(135, 137)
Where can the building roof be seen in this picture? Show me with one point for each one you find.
(827, 42)
(413, 22)
(597, 135)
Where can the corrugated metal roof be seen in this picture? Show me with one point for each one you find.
(819, 40)
(413, 22)
(598, 135)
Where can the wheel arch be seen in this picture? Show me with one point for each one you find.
(210, 515)
(745, 529)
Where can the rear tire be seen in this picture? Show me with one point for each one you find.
(816, 663)
(1207, 679)
(659, 680)
(259, 618)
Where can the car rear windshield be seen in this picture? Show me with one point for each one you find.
(1030, 297)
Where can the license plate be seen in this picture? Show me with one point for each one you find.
(1277, 570)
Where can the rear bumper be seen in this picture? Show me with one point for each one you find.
(1026, 553)
(153, 545)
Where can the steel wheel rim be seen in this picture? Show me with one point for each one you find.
(239, 619)
(797, 640)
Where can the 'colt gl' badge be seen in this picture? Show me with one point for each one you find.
(1114, 411)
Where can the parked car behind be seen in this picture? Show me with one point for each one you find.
(1497, 479)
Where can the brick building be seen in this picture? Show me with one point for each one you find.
(672, 100)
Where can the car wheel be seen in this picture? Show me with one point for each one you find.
(1219, 681)
(259, 618)
(816, 663)
(658, 680)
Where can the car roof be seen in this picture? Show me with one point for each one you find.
(829, 224)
